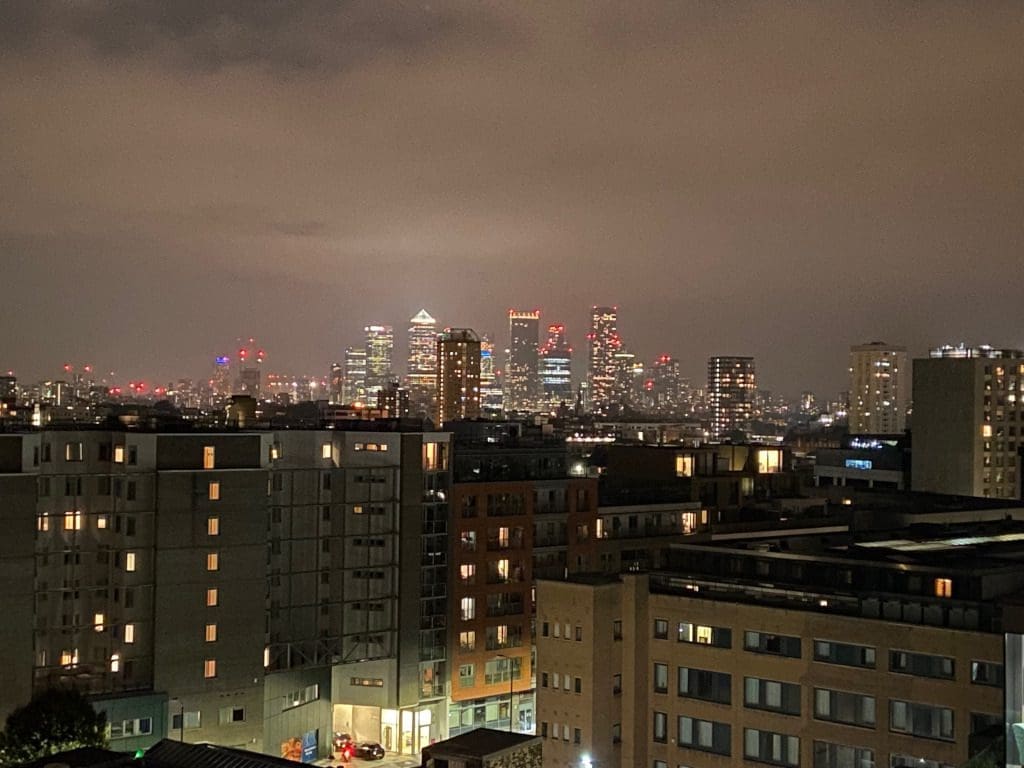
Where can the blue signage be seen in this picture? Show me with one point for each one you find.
(858, 463)
(309, 748)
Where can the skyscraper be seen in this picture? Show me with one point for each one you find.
(604, 343)
(967, 410)
(354, 388)
(380, 344)
(422, 372)
(732, 386)
(521, 367)
(879, 388)
(491, 395)
(458, 375)
(665, 387)
(555, 368)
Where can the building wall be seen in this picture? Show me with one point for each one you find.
(640, 650)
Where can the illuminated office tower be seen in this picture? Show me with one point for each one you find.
(967, 413)
(732, 387)
(458, 375)
(491, 394)
(521, 365)
(879, 389)
(354, 383)
(602, 370)
(336, 383)
(665, 387)
(555, 361)
(629, 380)
(421, 377)
(220, 383)
(250, 361)
(380, 344)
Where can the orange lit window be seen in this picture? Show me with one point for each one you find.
(325, 451)
(211, 597)
(129, 561)
(73, 521)
(101, 522)
(129, 633)
(211, 633)
(119, 454)
(209, 457)
(943, 587)
(212, 561)
(43, 522)
(214, 492)
(97, 622)
(213, 526)
(210, 668)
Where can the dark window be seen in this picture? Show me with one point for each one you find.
(772, 695)
(921, 664)
(844, 653)
(705, 684)
(765, 642)
(705, 735)
(661, 629)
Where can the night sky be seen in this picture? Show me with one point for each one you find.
(775, 179)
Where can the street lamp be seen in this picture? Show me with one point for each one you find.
(181, 717)
(511, 682)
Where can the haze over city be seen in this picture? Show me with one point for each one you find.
(773, 180)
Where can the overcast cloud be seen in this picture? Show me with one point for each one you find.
(776, 179)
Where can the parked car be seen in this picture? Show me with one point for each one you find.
(369, 750)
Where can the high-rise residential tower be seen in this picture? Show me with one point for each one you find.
(879, 388)
(458, 375)
(555, 368)
(422, 373)
(380, 344)
(967, 413)
(521, 366)
(732, 386)
(665, 387)
(604, 344)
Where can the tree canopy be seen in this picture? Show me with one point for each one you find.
(56, 720)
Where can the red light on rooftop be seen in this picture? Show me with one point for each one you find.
(67, 368)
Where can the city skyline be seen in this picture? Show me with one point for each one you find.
(731, 177)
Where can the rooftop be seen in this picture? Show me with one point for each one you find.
(479, 743)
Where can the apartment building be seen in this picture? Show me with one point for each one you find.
(516, 516)
(854, 652)
(243, 588)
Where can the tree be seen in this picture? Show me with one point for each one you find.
(54, 721)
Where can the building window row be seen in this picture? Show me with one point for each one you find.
(561, 731)
(554, 629)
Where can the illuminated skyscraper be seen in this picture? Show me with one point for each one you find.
(220, 383)
(458, 375)
(556, 369)
(336, 383)
(491, 395)
(422, 372)
(604, 343)
(879, 389)
(380, 344)
(354, 388)
(250, 362)
(665, 387)
(521, 366)
(732, 386)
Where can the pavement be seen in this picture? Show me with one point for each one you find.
(390, 760)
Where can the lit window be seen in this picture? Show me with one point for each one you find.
(503, 570)
(357, 509)
(209, 457)
(101, 522)
(211, 597)
(467, 572)
(684, 465)
(211, 633)
(210, 668)
(467, 641)
(129, 561)
(943, 587)
(213, 526)
(119, 454)
(212, 561)
(69, 658)
(43, 522)
(115, 662)
(325, 451)
(129, 633)
(214, 493)
(97, 622)
(986, 430)
(73, 520)
(468, 608)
